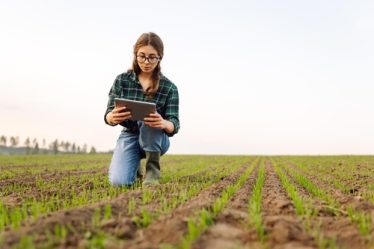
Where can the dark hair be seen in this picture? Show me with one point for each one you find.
(155, 41)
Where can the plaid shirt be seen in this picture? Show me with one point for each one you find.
(126, 85)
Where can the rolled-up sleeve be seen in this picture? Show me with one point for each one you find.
(172, 109)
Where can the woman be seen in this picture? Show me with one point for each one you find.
(148, 138)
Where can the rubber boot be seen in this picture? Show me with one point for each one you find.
(152, 168)
(139, 173)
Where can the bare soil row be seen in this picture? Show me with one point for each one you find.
(122, 224)
(332, 226)
(346, 200)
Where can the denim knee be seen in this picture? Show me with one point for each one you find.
(152, 139)
(125, 160)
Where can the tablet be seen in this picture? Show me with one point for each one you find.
(139, 109)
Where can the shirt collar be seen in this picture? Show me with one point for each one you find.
(133, 76)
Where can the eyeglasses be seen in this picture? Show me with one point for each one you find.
(151, 59)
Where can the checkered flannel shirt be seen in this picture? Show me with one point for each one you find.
(127, 85)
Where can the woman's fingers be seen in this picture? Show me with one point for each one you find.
(120, 114)
(153, 120)
(154, 115)
(154, 124)
(119, 110)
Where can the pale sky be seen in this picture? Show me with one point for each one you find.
(254, 77)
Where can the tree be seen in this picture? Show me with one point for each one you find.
(27, 144)
(67, 146)
(93, 150)
(13, 141)
(36, 148)
(54, 146)
(44, 143)
(17, 140)
(73, 148)
(3, 140)
(62, 145)
(34, 142)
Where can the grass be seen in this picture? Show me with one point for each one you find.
(254, 206)
(52, 183)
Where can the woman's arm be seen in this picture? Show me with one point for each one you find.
(113, 93)
(170, 124)
(172, 110)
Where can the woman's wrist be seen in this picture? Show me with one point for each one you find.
(108, 119)
(168, 126)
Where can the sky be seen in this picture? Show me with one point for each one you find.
(254, 77)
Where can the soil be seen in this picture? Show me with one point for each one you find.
(170, 228)
(229, 230)
(30, 181)
(283, 226)
(123, 226)
(337, 227)
(232, 228)
(51, 165)
(346, 200)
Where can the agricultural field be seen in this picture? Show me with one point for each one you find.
(220, 202)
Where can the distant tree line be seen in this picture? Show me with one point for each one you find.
(33, 146)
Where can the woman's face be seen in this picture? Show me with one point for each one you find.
(147, 58)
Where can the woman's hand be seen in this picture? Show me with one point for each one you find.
(118, 115)
(155, 120)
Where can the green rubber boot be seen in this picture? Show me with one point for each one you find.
(139, 173)
(152, 168)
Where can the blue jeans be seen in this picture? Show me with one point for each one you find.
(131, 148)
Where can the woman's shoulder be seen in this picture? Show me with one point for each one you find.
(125, 76)
(125, 79)
(165, 82)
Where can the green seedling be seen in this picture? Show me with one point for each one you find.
(144, 220)
(60, 232)
(26, 242)
(107, 211)
(254, 206)
(96, 217)
(362, 219)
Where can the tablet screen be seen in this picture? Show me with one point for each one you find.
(139, 109)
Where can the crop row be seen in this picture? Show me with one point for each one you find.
(205, 217)
(119, 217)
(351, 175)
(48, 160)
(309, 210)
(179, 191)
(68, 192)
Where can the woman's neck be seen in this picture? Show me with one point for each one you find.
(147, 76)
